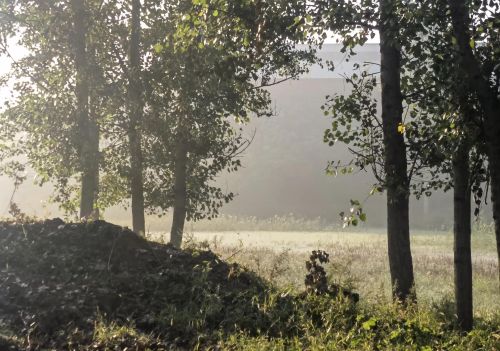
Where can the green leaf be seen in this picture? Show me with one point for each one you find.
(369, 324)
(375, 190)
(394, 334)
(158, 48)
(355, 203)
(472, 43)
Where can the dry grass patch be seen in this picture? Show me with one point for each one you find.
(359, 259)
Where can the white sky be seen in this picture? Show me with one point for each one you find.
(16, 52)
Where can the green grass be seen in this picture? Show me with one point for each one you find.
(359, 259)
(194, 311)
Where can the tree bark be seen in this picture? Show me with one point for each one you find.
(488, 99)
(180, 194)
(397, 183)
(462, 237)
(87, 128)
(494, 167)
(136, 107)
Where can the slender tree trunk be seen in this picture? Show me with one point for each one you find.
(88, 129)
(136, 107)
(180, 194)
(94, 159)
(489, 103)
(494, 166)
(462, 237)
(397, 184)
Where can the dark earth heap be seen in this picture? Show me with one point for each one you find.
(59, 280)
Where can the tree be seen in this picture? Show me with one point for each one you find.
(212, 69)
(478, 75)
(449, 119)
(440, 128)
(61, 96)
(408, 39)
(71, 112)
(91, 72)
(396, 182)
(356, 22)
(136, 107)
(462, 235)
(190, 136)
(87, 126)
(454, 97)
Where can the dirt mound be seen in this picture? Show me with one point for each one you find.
(57, 280)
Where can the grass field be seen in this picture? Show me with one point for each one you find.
(127, 292)
(359, 259)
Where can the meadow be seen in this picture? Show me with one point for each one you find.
(277, 248)
(98, 286)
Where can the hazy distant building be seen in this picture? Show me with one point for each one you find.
(284, 167)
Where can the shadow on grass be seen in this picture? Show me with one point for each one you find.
(61, 283)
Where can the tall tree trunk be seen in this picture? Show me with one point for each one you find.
(397, 184)
(180, 194)
(494, 166)
(94, 159)
(462, 237)
(136, 107)
(489, 103)
(88, 129)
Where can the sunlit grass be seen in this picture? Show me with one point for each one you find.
(360, 259)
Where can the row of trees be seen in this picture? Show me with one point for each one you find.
(440, 116)
(143, 102)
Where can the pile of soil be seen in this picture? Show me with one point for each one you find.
(57, 280)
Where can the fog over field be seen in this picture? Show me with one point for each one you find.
(284, 168)
(172, 217)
